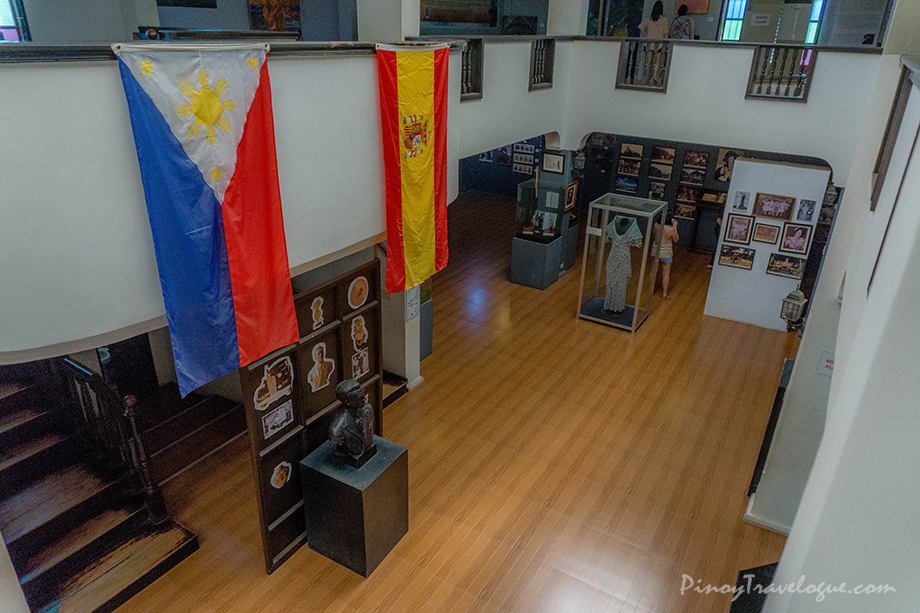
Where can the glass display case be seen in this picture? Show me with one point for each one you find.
(620, 261)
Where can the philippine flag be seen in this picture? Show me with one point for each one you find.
(202, 122)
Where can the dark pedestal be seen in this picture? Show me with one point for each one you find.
(355, 516)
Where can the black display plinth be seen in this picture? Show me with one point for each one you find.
(355, 516)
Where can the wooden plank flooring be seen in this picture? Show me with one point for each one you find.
(555, 464)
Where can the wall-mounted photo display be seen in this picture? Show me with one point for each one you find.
(660, 172)
(689, 194)
(742, 202)
(696, 159)
(692, 176)
(795, 238)
(487, 156)
(786, 266)
(663, 155)
(523, 158)
(523, 148)
(629, 150)
(524, 169)
(277, 381)
(554, 162)
(711, 197)
(738, 229)
(626, 185)
(656, 190)
(503, 156)
(359, 289)
(736, 257)
(726, 163)
(765, 233)
(571, 190)
(773, 206)
(806, 210)
(629, 167)
(683, 210)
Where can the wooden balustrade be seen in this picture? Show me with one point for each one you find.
(781, 72)
(471, 70)
(542, 63)
(644, 65)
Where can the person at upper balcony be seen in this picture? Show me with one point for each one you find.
(655, 26)
(682, 26)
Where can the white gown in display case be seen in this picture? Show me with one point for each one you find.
(620, 261)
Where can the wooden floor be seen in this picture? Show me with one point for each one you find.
(555, 464)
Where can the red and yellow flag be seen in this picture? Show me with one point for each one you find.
(413, 107)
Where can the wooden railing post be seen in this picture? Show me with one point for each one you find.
(153, 497)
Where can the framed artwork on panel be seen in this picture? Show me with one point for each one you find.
(795, 238)
(765, 233)
(738, 229)
(783, 265)
(554, 162)
(631, 151)
(773, 206)
(736, 257)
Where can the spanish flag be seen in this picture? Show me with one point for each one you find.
(413, 108)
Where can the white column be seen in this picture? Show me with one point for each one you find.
(401, 338)
(387, 21)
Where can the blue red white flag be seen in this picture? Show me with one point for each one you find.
(202, 122)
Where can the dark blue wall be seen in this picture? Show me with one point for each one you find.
(493, 178)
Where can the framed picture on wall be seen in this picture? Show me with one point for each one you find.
(663, 155)
(773, 206)
(626, 185)
(726, 163)
(554, 162)
(738, 229)
(629, 167)
(523, 158)
(683, 210)
(696, 159)
(736, 257)
(783, 265)
(487, 156)
(696, 7)
(795, 238)
(629, 150)
(504, 156)
(689, 194)
(661, 172)
(524, 169)
(765, 233)
(570, 192)
(692, 176)
(274, 16)
(656, 190)
(742, 202)
(806, 210)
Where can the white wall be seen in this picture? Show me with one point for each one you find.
(92, 279)
(87, 21)
(801, 423)
(857, 519)
(753, 296)
(12, 599)
(567, 17)
(229, 15)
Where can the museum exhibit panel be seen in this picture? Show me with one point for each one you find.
(546, 232)
(618, 282)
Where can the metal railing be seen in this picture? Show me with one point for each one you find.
(542, 62)
(471, 70)
(644, 64)
(781, 72)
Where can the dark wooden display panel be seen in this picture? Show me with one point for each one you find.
(289, 396)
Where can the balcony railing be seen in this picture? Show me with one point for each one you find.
(644, 65)
(781, 72)
(542, 61)
(471, 70)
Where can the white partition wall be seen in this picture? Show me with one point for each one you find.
(755, 296)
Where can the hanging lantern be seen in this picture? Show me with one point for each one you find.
(793, 309)
(579, 162)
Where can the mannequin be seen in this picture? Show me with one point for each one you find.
(623, 233)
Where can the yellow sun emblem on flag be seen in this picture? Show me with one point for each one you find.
(206, 106)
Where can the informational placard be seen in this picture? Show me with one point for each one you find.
(825, 364)
(289, 396)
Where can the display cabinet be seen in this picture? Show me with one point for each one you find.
(542, 250)
(620, 261)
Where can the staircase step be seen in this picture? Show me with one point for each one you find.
(178, 456)
(34, 458)
(123, 572)
(49, 507)
(188, 421)
(59, 560)
(23, 424)
(164, 405)
(18, 396)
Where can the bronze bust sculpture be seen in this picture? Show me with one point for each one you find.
(352, 428)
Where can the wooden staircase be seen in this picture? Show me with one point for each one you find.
(82, 518)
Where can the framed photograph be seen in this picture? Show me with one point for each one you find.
(696, 159)
(773, 206)
(697, 7)
(726, 163)
(487, 156)
(783, 265)
(524, 169)
(714, 197)
(503, 157)
(742, 202)
(795, 238)
(806, 210)
(656, 190)
(274, 16)
(523, 148)
(688, 194)
(571, 190)
(663, 155)
(626, 185)
(661, 172)
(554, 162)
(736, 257)
(765, 233)
(629, 150)
(692, 176)
(549, 223)
(683, 210)
(629, 167)
(523, 158)
(738, 229)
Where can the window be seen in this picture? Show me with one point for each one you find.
(814, 21)
(12, 22)
(734, 16)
